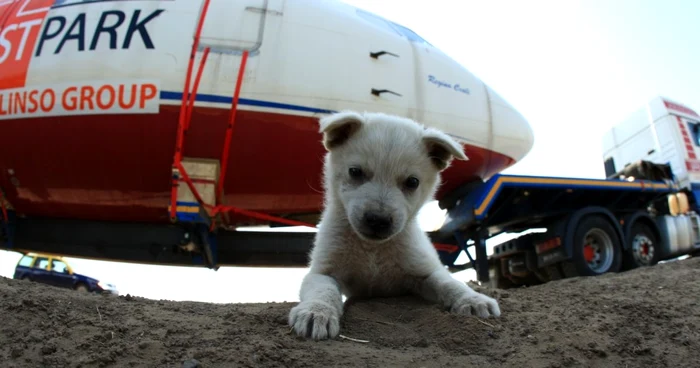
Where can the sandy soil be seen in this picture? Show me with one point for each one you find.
(642, 318)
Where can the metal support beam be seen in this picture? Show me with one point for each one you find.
(482, 262)
(164, 244)
(462, 242)
(7, 228)
(208, 246)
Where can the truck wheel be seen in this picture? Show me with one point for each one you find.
(643, 248)
(496, 279)
(596, 250)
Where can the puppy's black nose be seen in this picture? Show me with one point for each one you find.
(378, 223)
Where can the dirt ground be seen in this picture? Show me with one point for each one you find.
(642, 318)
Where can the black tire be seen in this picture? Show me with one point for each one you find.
(554, 272)
(496, 279)
(81, 287)
(605, 254)
(644, 248)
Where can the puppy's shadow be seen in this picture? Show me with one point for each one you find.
(396, 322)
(406, 300)
(388, 309)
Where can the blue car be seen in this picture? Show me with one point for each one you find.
(54, 270)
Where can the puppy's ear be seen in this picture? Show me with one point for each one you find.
(442, 148)
(339, 127)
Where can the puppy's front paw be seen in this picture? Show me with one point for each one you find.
(315, 319)
(476, 304)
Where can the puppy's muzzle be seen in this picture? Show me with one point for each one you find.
(378, 225)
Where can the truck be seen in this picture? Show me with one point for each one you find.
(643, 212)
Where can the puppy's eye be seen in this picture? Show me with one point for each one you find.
(412, 182)
(356, 173)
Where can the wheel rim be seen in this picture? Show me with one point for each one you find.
(598, 250)
(642, 249)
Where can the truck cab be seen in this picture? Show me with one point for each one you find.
(663, 132)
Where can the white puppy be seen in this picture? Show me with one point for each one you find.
(379, 171)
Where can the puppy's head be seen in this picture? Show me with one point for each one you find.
(381, 169)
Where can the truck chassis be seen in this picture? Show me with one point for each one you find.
(591, 226)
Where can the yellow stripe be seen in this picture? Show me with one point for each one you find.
(613, 184)
(186, 209)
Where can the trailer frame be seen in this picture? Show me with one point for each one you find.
(516, 203)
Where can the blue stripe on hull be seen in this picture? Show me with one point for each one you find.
(177, 96)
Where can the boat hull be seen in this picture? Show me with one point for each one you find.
(118, 167)
(91, 95)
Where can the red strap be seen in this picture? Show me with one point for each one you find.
(229, 129)
(5, 218)
(185, 114)
(193, 95)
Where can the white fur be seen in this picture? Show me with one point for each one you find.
(398, 259)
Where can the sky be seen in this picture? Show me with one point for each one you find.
(572, 68)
